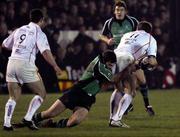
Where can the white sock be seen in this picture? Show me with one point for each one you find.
(9, 109)
(123, 105)
(114, 101)
(33, 106)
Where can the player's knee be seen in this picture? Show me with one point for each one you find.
(15, 98)
(142, 80)
(42, 94)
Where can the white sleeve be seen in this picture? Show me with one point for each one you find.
(9, 41)
(42, 42)
(152, 50)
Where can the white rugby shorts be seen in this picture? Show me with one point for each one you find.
(124, 59)
(21, 71)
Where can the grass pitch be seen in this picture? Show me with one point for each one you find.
(166, 122)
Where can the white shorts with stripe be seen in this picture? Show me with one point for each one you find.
(21, 71)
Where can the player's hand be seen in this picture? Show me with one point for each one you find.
(145, 64)
(145, 60)
(111, 41)
(58, 70)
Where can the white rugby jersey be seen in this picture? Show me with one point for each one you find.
(26, 41)
(138, 43)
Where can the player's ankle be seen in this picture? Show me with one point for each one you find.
(37, 117)
(62, 123)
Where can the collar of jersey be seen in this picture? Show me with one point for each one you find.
(119, 21)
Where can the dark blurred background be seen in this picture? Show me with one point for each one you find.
(72, 30)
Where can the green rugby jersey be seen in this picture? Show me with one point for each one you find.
(95, 74)
(114, 28)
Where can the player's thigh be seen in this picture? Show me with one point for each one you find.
(14, 90)
(130, 85)
(80, 113)
(140, 76)
(56, 108)
(37, 88)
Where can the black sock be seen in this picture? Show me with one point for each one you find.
(37, 118)
(62, 123)
(144, 92)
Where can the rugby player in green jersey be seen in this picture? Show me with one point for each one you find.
(112, 32)
(115, 27)
(81, 96)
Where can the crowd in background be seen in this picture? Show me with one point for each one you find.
(85, 15)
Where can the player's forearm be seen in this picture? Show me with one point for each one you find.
(104, 38)
(49, 58)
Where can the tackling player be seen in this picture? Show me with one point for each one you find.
(83, 94)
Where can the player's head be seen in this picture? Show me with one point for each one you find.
(120, 10)
(109, 58)
(145, 25)
(37, 16)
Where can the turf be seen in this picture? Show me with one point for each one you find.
(166, 122)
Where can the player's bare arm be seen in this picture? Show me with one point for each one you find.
(50, 59)
(109, 41)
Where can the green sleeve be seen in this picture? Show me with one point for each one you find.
(105, 71)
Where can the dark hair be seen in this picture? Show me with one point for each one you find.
(145, 25)
(120, 4)
(36, 15)
(108, 55)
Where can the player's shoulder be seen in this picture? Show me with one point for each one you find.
(148, 35)
(21, 28)
(109, 20)
(26, 27)
(17, 30)
(40, 33)
(133, 21)
(107, 24)
(133, 18)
